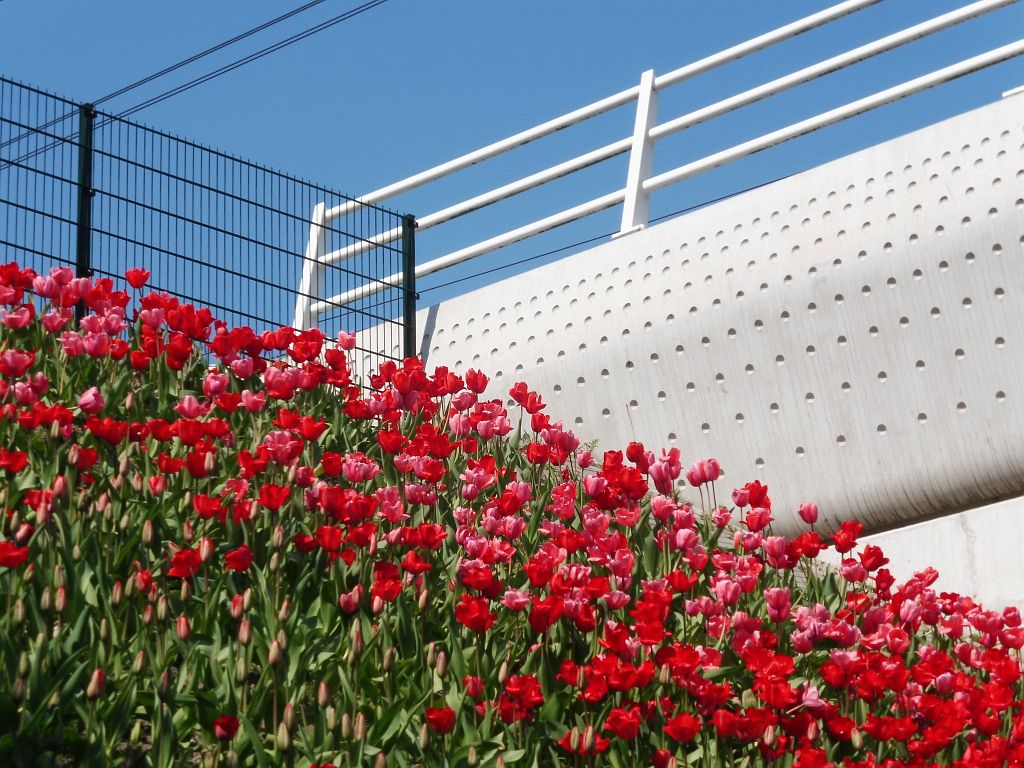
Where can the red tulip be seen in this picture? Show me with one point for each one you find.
(239, 559)
(137, 277)
(11, 556)
(441, 720)
(225, 727)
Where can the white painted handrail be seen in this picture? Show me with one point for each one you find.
(640, 180)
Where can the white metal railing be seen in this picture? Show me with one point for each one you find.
(640, 145)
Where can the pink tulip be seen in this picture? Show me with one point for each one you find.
(808, 512)
(91, 401)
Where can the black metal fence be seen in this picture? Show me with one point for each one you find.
(102, 194)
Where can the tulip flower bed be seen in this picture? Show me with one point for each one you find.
(218, 549)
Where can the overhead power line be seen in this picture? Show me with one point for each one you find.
(178, 65)
(208, 51)
(254, 56)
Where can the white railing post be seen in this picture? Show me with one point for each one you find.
(641, 157)
(311, 287)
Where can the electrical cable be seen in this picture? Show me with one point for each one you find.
(185, 62)
(352, 13)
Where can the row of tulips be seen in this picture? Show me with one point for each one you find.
(219, 549)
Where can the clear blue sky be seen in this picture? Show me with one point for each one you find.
(416, 82)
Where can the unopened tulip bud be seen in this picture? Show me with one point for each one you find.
(74, 454)
(147, 532)
(104, 628)
(275, 656)
(381, 760)
(184, 628)
(237, 607)
(359, 727)
(442, 664)
(769, 738)
(45, 599)
(424, 737)
(162, 608)
(147, 614)
(241, 668)
(186, 590)
(376, 604)
(288, 717)
(589, 738)
(187, 533)
(116, 593)
(58, 576)
(292, 472)
(664, 675)
(331, 718)
(23, 665)
(372, 549)
(122, 524)
(748, 699)
(163, 686)
(357, 639)
(813, 730)
(103, 502)
(205, 549)
(95, 688)
(122, 466)
(208, 761)
(424, 598)
(139, 663)
(277, 538)
(18, 690)
(503, 673)
(54, 701)
(500, 762)
(284, 739)
(471, 757)
(574, 739)
(129, 401)
(19, 611)
(431, 656)
(346, 726)
(247, 598)
(209, 462)
(275, 562)
(137, 482)
(282, 639)
(323, 694)
(30, 572)
(856, 738)
(244, 632)
(282, 615)
(389, 658)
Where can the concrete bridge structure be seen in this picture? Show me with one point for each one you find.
(850, 335)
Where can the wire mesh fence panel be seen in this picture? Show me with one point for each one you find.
(214, 229)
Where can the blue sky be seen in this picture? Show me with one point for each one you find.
(416, 82)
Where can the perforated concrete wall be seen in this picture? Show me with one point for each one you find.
(851, 335)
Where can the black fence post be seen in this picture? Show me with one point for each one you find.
(83, 242)
(409, 294)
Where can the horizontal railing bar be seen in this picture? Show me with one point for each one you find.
(38, 171)
(836, 115)
(491, 150)
(828, 66)
(601, 106)
(762, 41)
(34, 252)
(493, 244)
(485, 199)
(217, 268)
